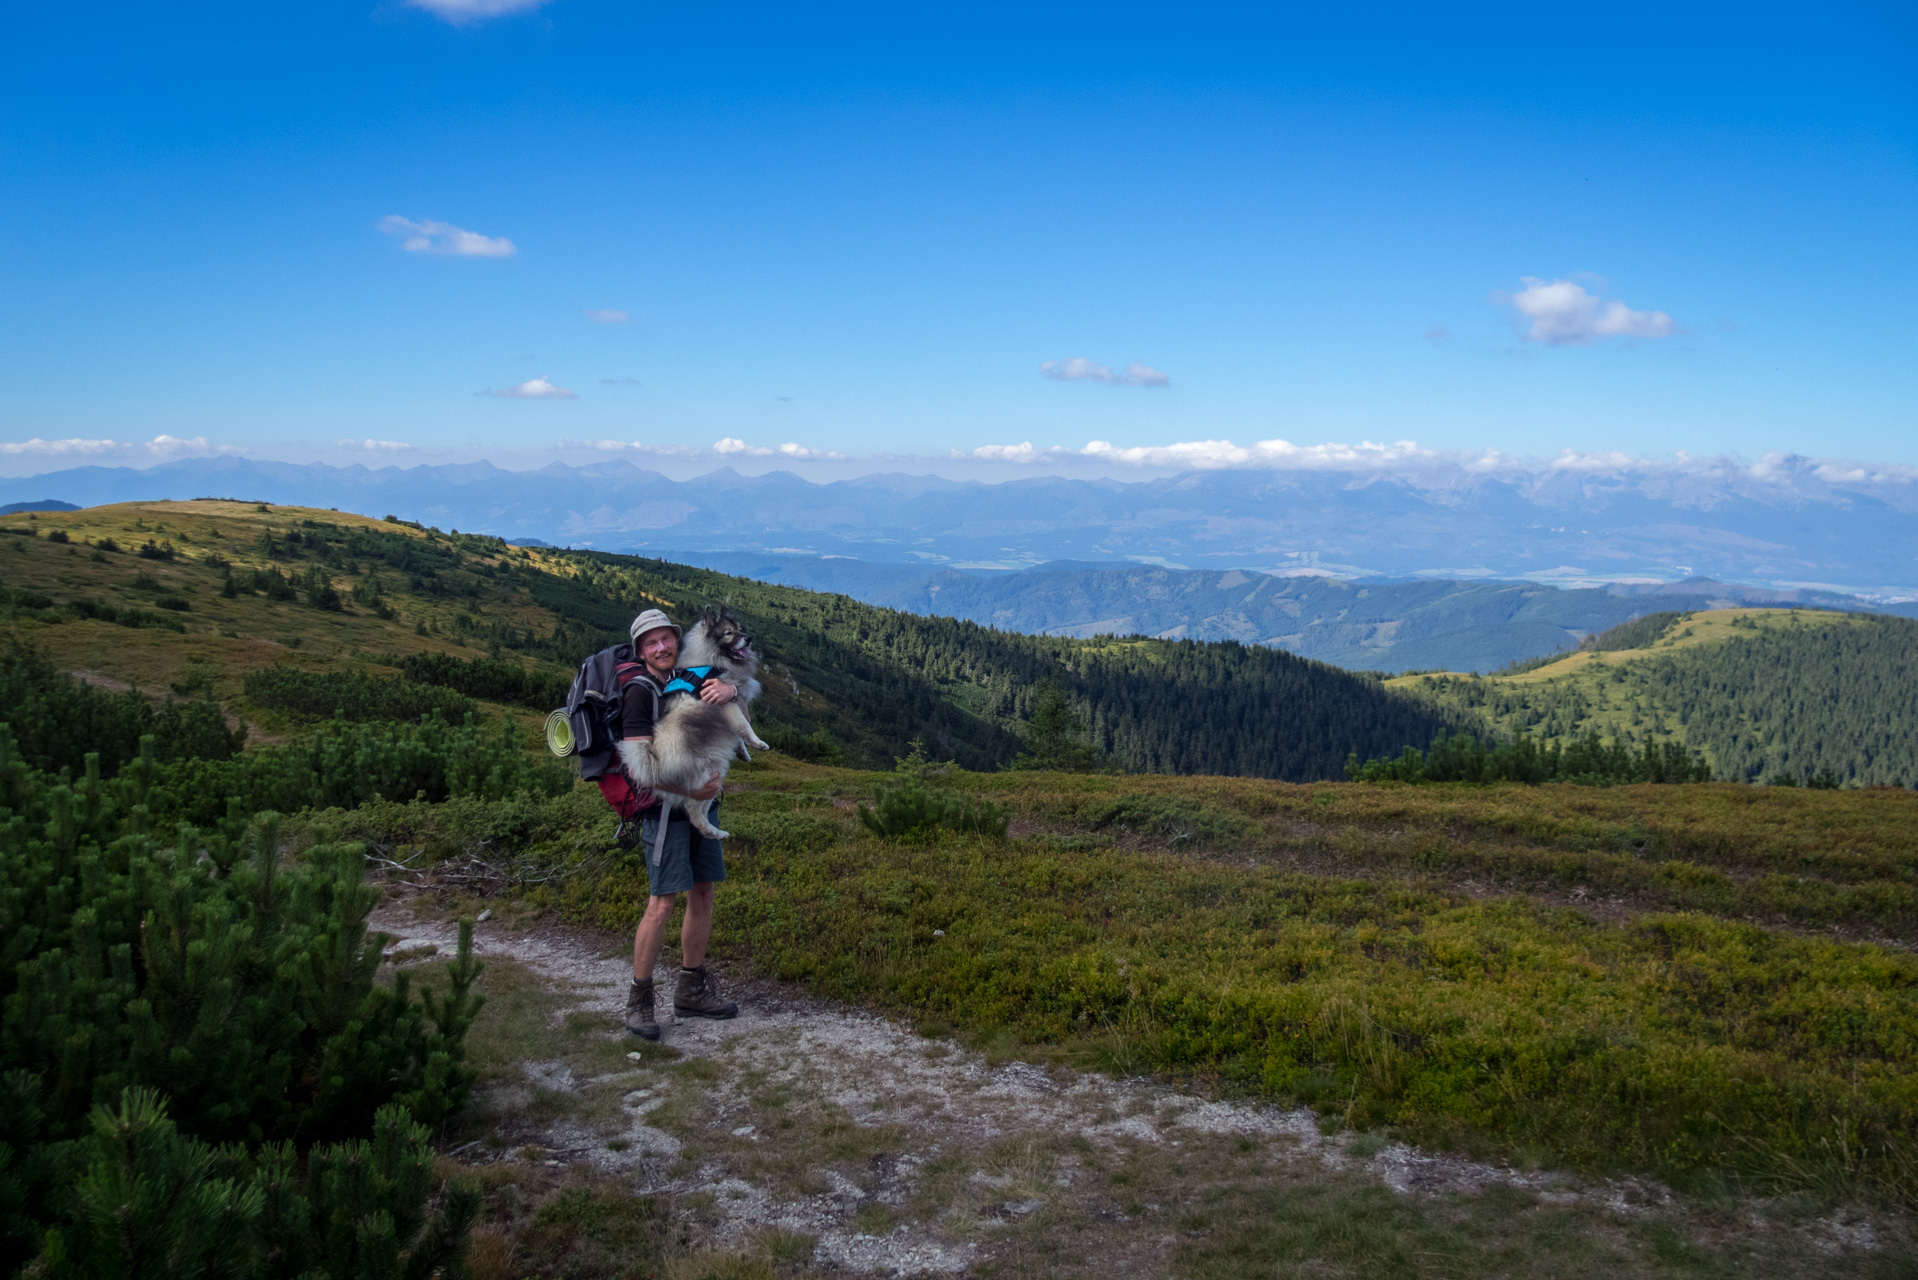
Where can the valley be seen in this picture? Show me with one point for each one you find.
(1634, 1030)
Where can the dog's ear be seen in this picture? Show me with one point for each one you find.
(710, 616)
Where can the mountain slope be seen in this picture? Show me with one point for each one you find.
(1794, 522)
(202, 593)
(1760, 692)
(1367, 625)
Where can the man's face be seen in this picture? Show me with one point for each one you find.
(659, 648)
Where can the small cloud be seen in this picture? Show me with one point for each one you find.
(541, 388)
(444, 239)
(162, 446)
(39, 448)
(1214, 454)
(461, 12)
(1080, 369)
(608, 315)
(798, 452)
(639, 446)
(1437, 333)
(375, 446)
(621, 382)
(1563, 314)
(1008, 452)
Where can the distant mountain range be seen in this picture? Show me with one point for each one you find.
(1365, 625)
(1785, 522)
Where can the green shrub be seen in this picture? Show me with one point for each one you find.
(126, 617)
(1588, 761)
(909, 809)
(344, 765)
(155, 1202)
(239, 990)
(58, 721)
(817, 747)
(354, 695)
(492, 679)
(1175, 819)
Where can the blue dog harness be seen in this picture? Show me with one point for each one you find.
(680, 684)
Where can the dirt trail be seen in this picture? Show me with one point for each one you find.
(760, 1120)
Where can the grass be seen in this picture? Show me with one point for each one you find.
(1404, 960)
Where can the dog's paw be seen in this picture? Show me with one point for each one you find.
(753, 741)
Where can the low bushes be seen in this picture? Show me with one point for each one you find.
(343, 765)
(182, 1020)
(353, 695)
(58, 721)
(492, 679)
(1677, 1041)
(910, 810)
(1586, 761)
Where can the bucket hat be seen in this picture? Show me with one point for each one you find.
(653, 620)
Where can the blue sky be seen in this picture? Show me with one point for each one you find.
(867, 232)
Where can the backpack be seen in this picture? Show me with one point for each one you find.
(593, 707)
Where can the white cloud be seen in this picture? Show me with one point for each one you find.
(1008, 452)
(1080, 369)
(608, 315)
(37, 447)
(641, 446)
(1215, 454)
(1562, 314)
(461, 12)
(445, 239)
(1599, 460)
(161, 446)
(376, 446)
(733, 445)
(541, 388)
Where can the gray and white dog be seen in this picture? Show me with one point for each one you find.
(694, 740)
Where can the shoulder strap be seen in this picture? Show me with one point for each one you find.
(629, 672)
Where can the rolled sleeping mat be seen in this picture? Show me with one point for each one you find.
(559, 734)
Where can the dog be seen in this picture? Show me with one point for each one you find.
(694, 740)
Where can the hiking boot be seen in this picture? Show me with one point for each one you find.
(698, 996)
(639, 1010)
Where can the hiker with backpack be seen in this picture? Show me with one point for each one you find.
(613, 708)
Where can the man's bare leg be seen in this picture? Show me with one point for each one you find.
(697, 928)
(652, 932)
(697, 995)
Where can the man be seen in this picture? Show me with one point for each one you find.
(689, 863)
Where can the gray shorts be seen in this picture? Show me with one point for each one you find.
(688, 858)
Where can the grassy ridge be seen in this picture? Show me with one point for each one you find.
(1759, 692)
(1309, 943)
(507, 625)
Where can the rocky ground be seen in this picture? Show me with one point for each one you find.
(806, 1136)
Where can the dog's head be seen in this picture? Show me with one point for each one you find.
(728, 636)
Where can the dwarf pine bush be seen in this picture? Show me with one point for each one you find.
(354, 695)
(343, 765)
(909, 809)
(180, 1014)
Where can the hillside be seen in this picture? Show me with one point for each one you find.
(1364, 625)
(1796, 521)
(199, 595)
(1760, 692)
